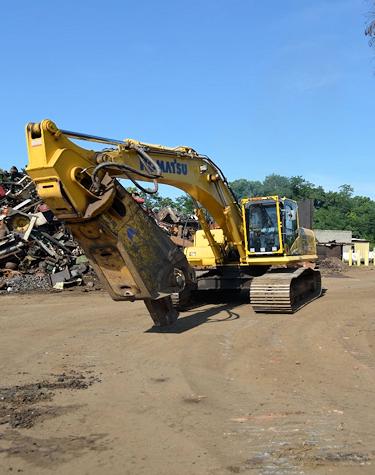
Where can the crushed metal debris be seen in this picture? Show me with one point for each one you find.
(37, 252)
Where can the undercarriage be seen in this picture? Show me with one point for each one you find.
(282, 290)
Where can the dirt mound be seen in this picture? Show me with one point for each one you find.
(332, 265)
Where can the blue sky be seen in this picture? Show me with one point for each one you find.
(261, 87)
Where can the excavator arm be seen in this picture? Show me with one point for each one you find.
(132, 256)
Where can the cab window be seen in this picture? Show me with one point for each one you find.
(290, 222)
(262, 226)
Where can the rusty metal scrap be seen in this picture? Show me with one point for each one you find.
(36, 250)
(180, 228)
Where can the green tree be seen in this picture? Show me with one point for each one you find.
(277, 185)
(243, 188)
(185, 204)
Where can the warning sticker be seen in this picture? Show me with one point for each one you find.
(36, 142)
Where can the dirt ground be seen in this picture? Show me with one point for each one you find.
(89, 387)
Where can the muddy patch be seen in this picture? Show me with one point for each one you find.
(51, 451)
(287, 460)
(22, 405)
(162, 379)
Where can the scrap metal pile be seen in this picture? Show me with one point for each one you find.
(180, 228)
(37, 252)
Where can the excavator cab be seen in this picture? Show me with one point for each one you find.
(272, 228)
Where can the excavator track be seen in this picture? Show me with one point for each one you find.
(285, 290)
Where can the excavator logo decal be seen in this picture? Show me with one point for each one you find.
(170, 167)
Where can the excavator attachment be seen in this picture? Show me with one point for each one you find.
(133, 257)
(285, 290)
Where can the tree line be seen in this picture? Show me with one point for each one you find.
(332, 209)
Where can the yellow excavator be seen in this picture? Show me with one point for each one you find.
(258, 242)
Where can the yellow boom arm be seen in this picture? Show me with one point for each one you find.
(62, 172)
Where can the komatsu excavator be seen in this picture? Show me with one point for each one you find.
(258, 242)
